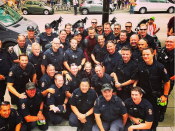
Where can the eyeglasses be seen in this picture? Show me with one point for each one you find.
(94, 22)
(143, 29)
(128, 26)
(116, 28)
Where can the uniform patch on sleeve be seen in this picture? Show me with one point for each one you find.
(44, 56)
(150, 112)
(123, 103)
(42, 84)
(95, 103)
(10, 73)
(23, 106)
(165, 71)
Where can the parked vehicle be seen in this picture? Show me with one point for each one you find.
(31, 7)
(93, 6)
(12, 24)
(143, 6)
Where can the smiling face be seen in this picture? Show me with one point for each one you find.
(170, 43)
(68, 29)
(128, 27)
(126, 55)
(91, 33)
(143, 30)
(31, 93)
(36, 49)
(21, 41)
(63, 35)
(136, 97)
(111, 47)
(134, 40)
(23, 61)
(59, 81)
(142, 44)
(123, 37)
(84, 86)
(74, 69)
(31, 33)
(50, 71)
(88, 67)
(73, 44)
(99, 71)
(107, 94)
(5, 111)
(107, 29)
(147, 55)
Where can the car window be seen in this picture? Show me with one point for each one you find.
(162, 1)
(153, 1)
(29, 2)
(143, 0)
(35, 3)
(98, 2)
(89, 2)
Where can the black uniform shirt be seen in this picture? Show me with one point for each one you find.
(32, 40)
(55, 58)
(66, 44)
(109, 110)
(136, 55)
(109, 37)
(84, 74)
(119, 46)
(99, 52)
(74, 56)
(83, 101)
(129, 35)
(9, 124)
(143, 110)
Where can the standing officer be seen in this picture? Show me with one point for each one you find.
(31, 108)
(53, 55)
(31, 38)
(74, 55)
(151, 75)
(128, 27)
(63, 40)
(35, 58)
(18, 76)
(99, 79)
(111, 58)
(117, 30)
(126, 74)
(78, 37)
(57, 102)
(99, 51)
(5, 64)
(93, 25)
(99, 29)
(10, 120)
(110, 111)
(140, 111)
(47, 36)
(81, 29)
(166, 57)
(108, 35)
(68, 28)
(82, 102)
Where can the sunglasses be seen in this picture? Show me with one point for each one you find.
(128, 26)
(94, 22)
(116, 28)
(143, 29)
(99, 26)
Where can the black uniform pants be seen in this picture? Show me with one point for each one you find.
(2, 89)
(74, 122)
(28, 126)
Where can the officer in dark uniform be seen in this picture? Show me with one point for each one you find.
(6, 61)
(76, 78)
(99, 51)
(109, 110)
(140, 111)
(166, 57)
(108, 34)
(35, 58)
(128, 27)
(64, 40)
(111, 58)
(31, 108)
(31, 38)
(100, 78)
(126, 72)
(78, 36)
(116, 32)
(123, 41)
(57, 102)
(10, 120)
(47, 36)
(74, 55)
(82, 30)
(151, 73)
(53, 55)
(70, 34)
(82, 102)
(18, 76)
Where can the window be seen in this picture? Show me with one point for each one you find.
(143, 0)
(29, 3)
(153, 1)
(89, 2)
(35, 3)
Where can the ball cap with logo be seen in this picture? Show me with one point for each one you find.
(30, 85)
(30, 28)
(106, 86)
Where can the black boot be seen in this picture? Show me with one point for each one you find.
(80, 128)
(161, 117)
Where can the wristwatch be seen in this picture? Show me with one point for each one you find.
(86, 115)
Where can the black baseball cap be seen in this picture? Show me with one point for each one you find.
(30, 85)
(80, 25)
(30, 27)
(48, 25)
(106, 86)
(77, 32)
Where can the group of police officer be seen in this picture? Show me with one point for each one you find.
(97, 78)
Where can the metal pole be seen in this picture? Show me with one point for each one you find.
(105, 13)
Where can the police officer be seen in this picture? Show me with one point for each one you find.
(74, 55)
(35, 58)
(76, 78)
(140, 111)
(82, 102)
(78, 36)
(64, 40)
(67, 28)
(31, 108)
(53, 55)
(18, 76)
(99, 79)
(82, 30)
(57, 102)
(151, 74)
(111, 58)
(21, 47)
(108, 34)
(10, 120)
(123, 41)
(90, 41)
(128, 27)
(6, 61)
(47, 36)
(94, 24)
(126, 74)
(99, 29)
(166, 57)
(116, 32)
(109, 110)
(99, 51)
(31, 38)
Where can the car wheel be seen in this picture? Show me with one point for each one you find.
(25, 12)
(9, 46)
(46, 12)
(171, 10)
(110, 11)
(142, 10)
(84, 11)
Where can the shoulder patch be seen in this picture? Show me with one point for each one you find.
(10, 73)
(23, 106)
(165, 71)
(123, 103)
(150, 111)
(42, 84)
(44, 56)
